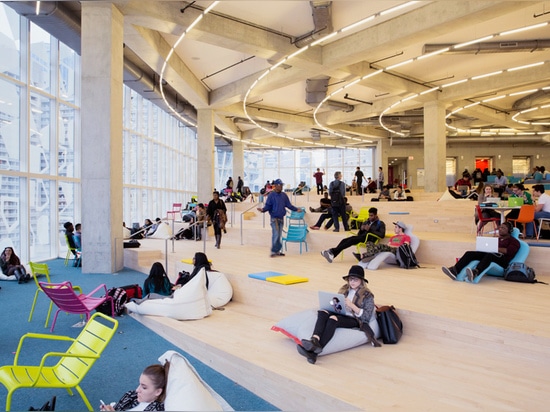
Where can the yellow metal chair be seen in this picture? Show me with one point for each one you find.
(360, 218)
(42, 269)
(72, 367)
(72, 251)
(371, 237)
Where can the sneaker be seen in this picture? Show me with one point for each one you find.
(314, 227)
(451, 272)
(471, 274)
(274, 255)
(281, 254)
(357, 256)
(311, 209)
(336, 230)
(327, 255)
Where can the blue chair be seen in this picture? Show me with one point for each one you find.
(296, 234)
(494, 269)
(296, 216)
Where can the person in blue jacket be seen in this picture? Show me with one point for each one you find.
(276, 204)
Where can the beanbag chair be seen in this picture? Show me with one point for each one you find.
(220, 290)
(185, 389)
(388, 257)
(188, 302)
(164, 231)
(300, 326)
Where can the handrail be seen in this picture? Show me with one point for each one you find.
(242, 214)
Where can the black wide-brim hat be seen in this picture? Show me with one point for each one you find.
(357, 272)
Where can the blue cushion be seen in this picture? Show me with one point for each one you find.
(264, 275)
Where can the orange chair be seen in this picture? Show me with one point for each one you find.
(484, 220)
(526, 216)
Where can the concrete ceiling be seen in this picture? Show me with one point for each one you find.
(232, 46)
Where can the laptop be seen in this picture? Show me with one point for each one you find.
(515, 201)
(493, 200)
(463, 189)
(487, 244)
(333, 303)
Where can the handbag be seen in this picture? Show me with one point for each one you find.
(391, 327)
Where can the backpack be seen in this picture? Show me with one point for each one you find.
(405, 257)
(336, 197)
(520, 272)
(119, 299)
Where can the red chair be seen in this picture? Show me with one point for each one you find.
(66, 299)
(175, 213)
(482, 221)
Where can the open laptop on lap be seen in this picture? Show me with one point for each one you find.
(333, 303)
(487, 244)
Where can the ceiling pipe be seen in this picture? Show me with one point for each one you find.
(491, 47)
(322, 23)
(243, 120)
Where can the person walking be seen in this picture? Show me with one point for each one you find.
(276, 204)
(216, 212)
(318, 175)
(337, 191)
(380, 178)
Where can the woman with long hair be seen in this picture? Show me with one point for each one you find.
(200, 261)
(157, 281)
(216, 212)
(12, 267)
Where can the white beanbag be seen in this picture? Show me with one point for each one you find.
(164, 231)
(220, 290)
(185, 389)
(300, 326)
(189, 302)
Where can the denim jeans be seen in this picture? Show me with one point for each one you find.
(277, 225)
(529, 230)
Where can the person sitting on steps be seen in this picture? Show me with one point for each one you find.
(397, 240)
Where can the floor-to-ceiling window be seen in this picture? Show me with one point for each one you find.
(160, 160)
(39, 110)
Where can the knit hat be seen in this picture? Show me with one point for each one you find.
(278, 182)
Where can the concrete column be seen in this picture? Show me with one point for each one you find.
(205, 136)
(238, 162)
(101, 119)
(434, 147)
(382, 153)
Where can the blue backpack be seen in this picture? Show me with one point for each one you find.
(520, 272)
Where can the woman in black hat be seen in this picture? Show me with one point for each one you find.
(359, 302)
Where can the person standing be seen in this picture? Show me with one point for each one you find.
(337, 191)
(276, 204)
(216, 212)
(318, 175)
(359, 177)
(380, 178)
(240, 185)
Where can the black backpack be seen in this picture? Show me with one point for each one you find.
(405, 257)
(520, 272)
(119, 299)
(336, 197)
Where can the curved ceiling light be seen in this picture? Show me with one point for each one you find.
(161, 82)
(457, 46)
(317, 42)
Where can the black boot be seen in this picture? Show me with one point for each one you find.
(19, 276)
(26, 277)
(218, 241)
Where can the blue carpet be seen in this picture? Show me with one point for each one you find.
(132, 348)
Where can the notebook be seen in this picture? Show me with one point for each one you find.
(333, 303)
(487, 244)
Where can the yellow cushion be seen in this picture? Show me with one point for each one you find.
(190, 261)
(287, 279)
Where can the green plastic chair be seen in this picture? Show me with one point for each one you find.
(73, 365)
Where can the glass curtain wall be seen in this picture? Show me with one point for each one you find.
(159, 160)
(38, 113)
(295, 166)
